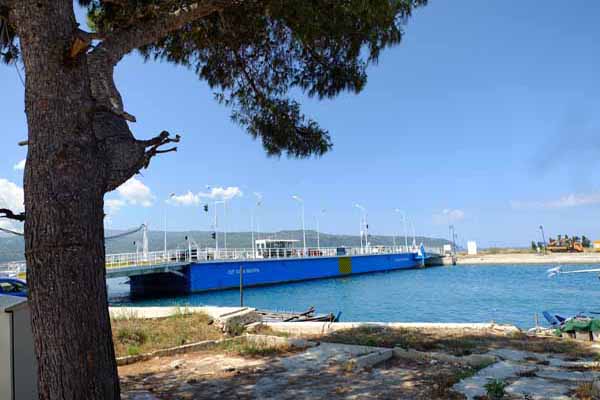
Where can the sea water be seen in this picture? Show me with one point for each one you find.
(503, 293)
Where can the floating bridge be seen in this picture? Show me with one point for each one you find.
(200, 269)
(195, 269)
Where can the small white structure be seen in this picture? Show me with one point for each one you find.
(275, 248)
(447, 249)
(18, 367)
(472, 248)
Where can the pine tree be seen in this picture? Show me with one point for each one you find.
(80, 146)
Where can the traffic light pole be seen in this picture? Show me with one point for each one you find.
(216, 235)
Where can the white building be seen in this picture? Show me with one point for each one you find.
(472, 247)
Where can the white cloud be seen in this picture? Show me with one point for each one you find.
(449, 216)
(188, 199)
(570, 200)
(20, 166)
(11, 197)
(217, 193)
(134, 192)
(220, 193)
(112, 206)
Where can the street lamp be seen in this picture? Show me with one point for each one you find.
(165, 221)
(224, 223)
(543, 238)
(299, 200)
(414, 236)
(258, 203)
(403, 214)
(216, 225)
(318, 238)
(452, 233)
(365, 225)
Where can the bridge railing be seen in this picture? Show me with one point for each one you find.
(196, 254)
(13, 269)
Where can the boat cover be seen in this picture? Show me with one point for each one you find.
(581, 325)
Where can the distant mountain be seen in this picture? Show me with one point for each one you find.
(11, 248)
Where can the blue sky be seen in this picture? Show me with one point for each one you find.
(486, 115)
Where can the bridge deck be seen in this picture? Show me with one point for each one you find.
(140, 263)
(121, 272)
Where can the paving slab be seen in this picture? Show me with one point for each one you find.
(474, 386)
(539, 389)
(566, 374)
(516, 355)
(326, 354)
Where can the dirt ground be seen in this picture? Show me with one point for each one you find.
(322, 371)
(207, 375)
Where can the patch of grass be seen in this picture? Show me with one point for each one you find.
(467, 373)
(455, 342)
(584, 391)
(495, 389)
(236, 329)
(133, 350)
(131, 335)
(245, 348)
(265, 330)
(141, 336)
(442, 383)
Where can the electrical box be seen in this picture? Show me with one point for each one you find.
(18, 367)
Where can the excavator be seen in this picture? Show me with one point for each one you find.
(565, 245)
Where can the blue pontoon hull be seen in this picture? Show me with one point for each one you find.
(219, 275)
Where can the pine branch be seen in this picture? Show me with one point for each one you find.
(9, 214)
(155, 144)
(119, 43)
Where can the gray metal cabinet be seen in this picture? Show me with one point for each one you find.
(18, 367)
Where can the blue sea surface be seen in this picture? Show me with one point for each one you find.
(503, 293)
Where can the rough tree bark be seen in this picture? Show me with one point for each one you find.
(79, 148)
(64, 189)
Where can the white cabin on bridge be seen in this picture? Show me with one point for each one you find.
(275, 248)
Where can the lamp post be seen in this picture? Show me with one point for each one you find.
(452, 233)
(252, 231)
(363, 225)
(252, 218)
(137, 252)
(318, 231)
(543, 238)
(259, 199)
(403, 214)
(216, 225)
(165, 222)
(225, 225)
(299, 200)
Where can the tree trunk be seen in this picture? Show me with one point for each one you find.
(64, 188)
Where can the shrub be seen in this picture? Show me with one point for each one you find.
(133, 350)
(132, 335)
